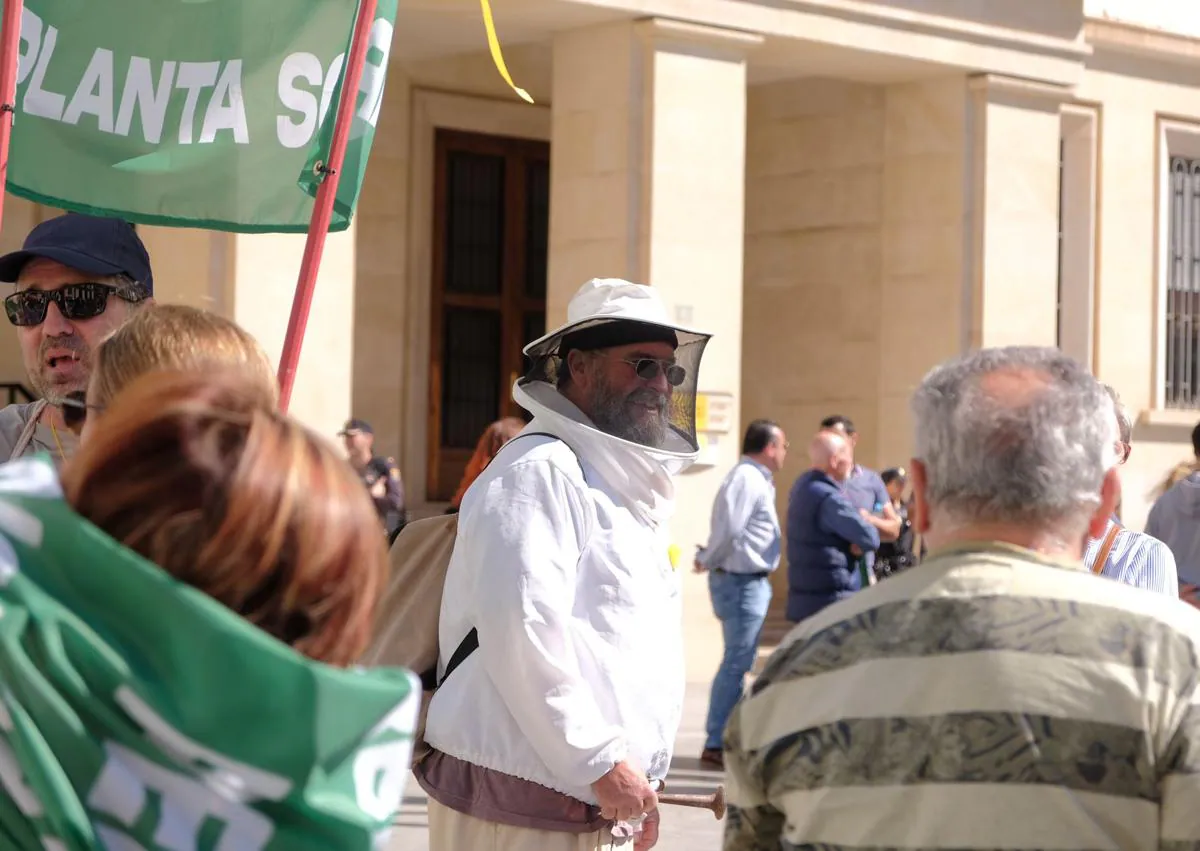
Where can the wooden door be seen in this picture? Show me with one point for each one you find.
(491, 221)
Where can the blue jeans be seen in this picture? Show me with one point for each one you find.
(740, 603)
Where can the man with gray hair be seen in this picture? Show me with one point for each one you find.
(997, 695)
(1123, 554)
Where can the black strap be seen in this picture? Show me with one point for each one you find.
(471, 642)
(465, 648)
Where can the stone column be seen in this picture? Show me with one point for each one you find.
(1014, 133)
(647, 183)
(970, 230)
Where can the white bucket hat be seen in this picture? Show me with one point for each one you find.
(604, 300)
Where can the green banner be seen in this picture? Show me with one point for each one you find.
(138, 713)
(192, 113)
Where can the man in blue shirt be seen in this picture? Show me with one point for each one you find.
(865, 489)
(1122, 554)
(826, 532)
(743, 548)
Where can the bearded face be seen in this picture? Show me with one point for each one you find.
(638, 415)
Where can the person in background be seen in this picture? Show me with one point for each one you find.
(827, 535)
(1175, 520)
(1123, 554)
(743, 550)
(494, 436)
(1173, 477)
(865, 489)
(174, 337)
(76, 279)
(199, 541)
(996, 695)
(894, 556)
(380, 475)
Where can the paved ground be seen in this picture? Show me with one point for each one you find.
(682, 829)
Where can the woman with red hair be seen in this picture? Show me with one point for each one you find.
(494, 436)
(180, 621)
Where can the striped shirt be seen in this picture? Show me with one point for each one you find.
(1136, 559)
(984, 699)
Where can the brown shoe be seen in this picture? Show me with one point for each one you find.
(712, 758)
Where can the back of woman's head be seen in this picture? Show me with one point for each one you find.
(174, 336)
(195, 473)
(501, 432)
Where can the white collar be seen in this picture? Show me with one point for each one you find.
(639, 477)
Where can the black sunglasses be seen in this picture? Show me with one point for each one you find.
(648, 369)
(75, 302)
(75, 409)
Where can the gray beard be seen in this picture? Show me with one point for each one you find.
(46, 389)
(611, 414)
(55, 393)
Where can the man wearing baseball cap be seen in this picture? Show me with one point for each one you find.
(380, 475)
(75, 280)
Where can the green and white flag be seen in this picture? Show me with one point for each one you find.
(199, 113)
(138, 713)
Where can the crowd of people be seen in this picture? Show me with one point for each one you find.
(184, 570)
(190, 582)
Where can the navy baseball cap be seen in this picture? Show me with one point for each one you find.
(91, 244)
(356, 427)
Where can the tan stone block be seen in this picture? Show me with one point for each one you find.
(812, 96)
(385, 189)
(912, 247)
(593, 141)
(1027, 193)
(809, 260)
(926, 118)
(815, 143)
(576, 260)
(597, 207)
(925, 187)
(575, 77)
(817, 199)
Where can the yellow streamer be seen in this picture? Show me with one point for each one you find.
(497, 56)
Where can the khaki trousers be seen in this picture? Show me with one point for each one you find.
(450, 830)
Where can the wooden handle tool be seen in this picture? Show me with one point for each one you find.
(714, 802)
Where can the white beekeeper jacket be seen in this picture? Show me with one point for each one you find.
(561, 564)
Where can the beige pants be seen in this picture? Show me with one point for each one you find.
(452, 831)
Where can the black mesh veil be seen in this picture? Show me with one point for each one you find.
(682, 409)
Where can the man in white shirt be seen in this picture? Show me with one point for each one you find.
(554, 733)
(743, 550)
(1123, 554)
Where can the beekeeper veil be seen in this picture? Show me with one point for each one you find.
(607, 313)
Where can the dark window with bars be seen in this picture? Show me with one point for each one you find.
(474, 223)
(491, 217)
(1183, 285)
(471, 391)
(537, 230)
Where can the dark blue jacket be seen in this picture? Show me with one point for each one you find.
(822, 524)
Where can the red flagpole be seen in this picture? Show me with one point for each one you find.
(318, 227)
(10, 43)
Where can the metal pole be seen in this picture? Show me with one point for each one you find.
(10, 44)
(318, 227)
